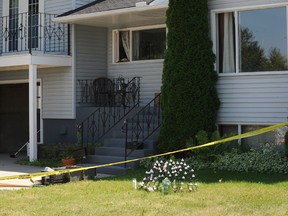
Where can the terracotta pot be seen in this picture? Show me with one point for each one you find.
(69, 162)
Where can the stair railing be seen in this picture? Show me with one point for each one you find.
(142, 125)
(104, 118)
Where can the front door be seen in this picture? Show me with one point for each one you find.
(22, 27)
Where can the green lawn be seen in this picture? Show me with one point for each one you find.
(236, 194)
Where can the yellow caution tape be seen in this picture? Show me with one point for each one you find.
(241, 136)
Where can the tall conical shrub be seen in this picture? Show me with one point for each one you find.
(189, 98)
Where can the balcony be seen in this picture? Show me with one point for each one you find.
(34, 34)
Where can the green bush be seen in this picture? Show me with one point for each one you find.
(210, 153)
(57, 151)
(189, 98)
(264, 160)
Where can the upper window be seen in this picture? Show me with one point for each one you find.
(34, 22)
(135, 45)
(252, 40)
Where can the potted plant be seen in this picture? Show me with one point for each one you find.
(67, 157)
(121, 83)
(68, 161)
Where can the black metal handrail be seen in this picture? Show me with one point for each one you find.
(104, 118)
(125, 91)
(33, 32)
(142, 125)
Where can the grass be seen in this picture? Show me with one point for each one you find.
(236, 194)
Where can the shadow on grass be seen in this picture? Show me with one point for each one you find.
(211, 176)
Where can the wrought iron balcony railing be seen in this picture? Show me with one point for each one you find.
(109, 112)
(33, 33)
(108, 92)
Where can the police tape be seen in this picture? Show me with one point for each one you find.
(241, 136)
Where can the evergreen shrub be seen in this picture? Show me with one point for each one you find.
(189, 98)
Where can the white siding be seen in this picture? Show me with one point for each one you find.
(57, 92)
(149, 71)
(58, 7)
(91, 53)
(80, 3)
(1, 8)
(253, 99)
(57, 82)
(62, 6)
(223, 4)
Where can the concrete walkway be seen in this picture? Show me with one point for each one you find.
(8, 167)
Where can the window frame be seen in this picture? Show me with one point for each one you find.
(115, 43)
(23, 7)
(214, 37)
(240, 130)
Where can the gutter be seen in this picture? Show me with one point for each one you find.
(78, 17)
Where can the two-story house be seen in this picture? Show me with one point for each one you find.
(59, 63)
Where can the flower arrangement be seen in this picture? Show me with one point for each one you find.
(177, 172)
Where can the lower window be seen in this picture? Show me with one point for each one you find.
(275, 136)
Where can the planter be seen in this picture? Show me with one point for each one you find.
(69, 162)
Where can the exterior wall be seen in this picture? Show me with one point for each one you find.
(57, 93)
(222, 4)
(57, 7)
(79, 3)
(251, 98)
(56, 90)
(149, 71)
(1, 8)
(59, 131)
(91, 54)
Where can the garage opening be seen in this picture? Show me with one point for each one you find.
(14, 116)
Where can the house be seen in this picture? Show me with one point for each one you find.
(126, 39)
(36, 72)
(251, 52)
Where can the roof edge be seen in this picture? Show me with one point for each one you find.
(91, 4)
(80, 8)
(71, 18)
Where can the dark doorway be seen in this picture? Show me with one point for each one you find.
(14, 116)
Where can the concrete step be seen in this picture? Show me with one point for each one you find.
(113, 151)
(114, 142)
(112, 170)
(120, 143)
